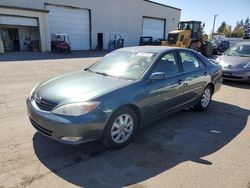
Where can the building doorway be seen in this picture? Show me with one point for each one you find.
(10, 38)
(20, 38)
(99, 41)
(14, 38)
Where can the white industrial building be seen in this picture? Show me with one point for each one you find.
(89, 23)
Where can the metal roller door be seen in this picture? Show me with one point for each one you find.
(154, 27)
(72, 21)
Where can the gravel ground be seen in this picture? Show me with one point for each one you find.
(186, 149)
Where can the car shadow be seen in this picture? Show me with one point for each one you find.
(30, 56)
(242, 85)
(185, 136)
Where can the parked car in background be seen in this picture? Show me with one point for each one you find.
(148, 40)
(215, 45)
(223, 46)
(219, 46)
(235, 62)
(121, 92)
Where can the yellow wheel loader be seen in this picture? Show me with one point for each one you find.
(189, 35)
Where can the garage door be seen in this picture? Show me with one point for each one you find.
(71, 21)
(153, 27)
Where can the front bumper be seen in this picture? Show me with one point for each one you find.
(89, 126)
(236, 74)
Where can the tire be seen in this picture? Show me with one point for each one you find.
(205, 99)
(194, 46)
(118, 133)
(207, 49)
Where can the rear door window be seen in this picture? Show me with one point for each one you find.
(190, 62)
(168, 64)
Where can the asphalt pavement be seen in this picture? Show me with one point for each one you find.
(186, 149)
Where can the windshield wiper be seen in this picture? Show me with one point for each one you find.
(87, 69)
(101, 73)
(105, 74)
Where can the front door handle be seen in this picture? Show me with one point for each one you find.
(180, 81)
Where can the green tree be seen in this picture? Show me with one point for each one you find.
(225, 29)
(242, 23)
(246, 22)
(221, 27)
(239, 30)
(246, 29)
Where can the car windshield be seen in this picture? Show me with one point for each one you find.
(124, 64)
(239, 50)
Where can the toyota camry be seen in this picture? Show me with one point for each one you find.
(121, 92)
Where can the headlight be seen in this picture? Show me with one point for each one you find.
(247, 65)
(76, 109)
(32, 91)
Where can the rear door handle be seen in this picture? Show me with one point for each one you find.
(205, 73)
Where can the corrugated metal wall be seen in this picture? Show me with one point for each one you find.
(124, 17)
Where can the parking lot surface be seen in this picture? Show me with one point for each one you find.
(186, 149)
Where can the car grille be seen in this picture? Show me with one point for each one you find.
(44, 104)
(235, 77)
(40, 128)
(172, 38)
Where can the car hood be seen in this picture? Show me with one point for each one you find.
(233, 62)
(77, 86)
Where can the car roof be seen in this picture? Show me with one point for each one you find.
(149, 49)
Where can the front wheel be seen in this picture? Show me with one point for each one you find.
(205, 99)
(121, 128)
(207, 49)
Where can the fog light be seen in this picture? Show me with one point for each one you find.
(71, 139)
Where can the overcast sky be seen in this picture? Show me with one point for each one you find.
(203, 10)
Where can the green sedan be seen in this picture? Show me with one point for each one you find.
(125, 90)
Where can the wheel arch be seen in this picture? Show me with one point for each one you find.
(212, 87)
(131, 106)
(136, 110)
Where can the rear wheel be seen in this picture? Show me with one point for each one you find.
(205, 99)
(121, 128)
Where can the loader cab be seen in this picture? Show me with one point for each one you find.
(194, 26)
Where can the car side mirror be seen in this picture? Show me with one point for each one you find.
(157, 76)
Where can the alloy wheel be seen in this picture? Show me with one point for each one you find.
(206, 97)
(122, 128)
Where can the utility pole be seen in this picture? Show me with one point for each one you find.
(214, 25)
